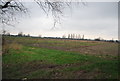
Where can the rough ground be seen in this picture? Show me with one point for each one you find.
(98, 48)
(59, 59)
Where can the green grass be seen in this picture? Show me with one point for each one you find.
(53, 56)
(51, 42)
(25, 62)
(24, 59)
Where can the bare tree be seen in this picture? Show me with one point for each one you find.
(64, 36)
(83, 37)
(21, 34)
(8, 34)
(9, 8)
(4, 32)
(79, 37)
(40, 36)
(28, 35)
(73, 36)
(68, 36)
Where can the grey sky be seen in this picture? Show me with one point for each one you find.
(96, 19)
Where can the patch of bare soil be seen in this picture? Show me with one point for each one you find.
(54, 69)
(100, 49)
(82, 74)
(49, 46)
(36, 65)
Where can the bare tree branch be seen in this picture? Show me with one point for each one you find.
(9, 8)
(8, 11)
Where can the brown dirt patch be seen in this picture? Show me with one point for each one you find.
(100, 49)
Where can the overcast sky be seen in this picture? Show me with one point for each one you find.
(95, 19)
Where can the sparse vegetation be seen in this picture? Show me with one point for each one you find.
(38, 58)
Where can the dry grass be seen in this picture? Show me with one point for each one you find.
(15, 46)
(59, 59)
(7, 47)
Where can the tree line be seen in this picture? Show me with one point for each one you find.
(73, 36)
(69, 36)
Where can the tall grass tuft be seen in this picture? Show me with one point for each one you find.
(6, 47)
(15, 46)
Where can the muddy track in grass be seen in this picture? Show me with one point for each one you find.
(95, 47)
(56, 71)
(101, 49)
(36, 65)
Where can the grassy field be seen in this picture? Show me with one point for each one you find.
(36, 58)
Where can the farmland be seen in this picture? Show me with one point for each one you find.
(40, 58)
